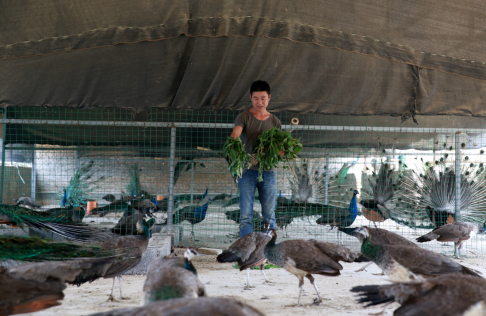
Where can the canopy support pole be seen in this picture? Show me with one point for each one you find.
(457, 213)
(170, 209)
(192, 181)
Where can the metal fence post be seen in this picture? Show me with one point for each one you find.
(457, 213)
(3, 156)
(326, 183)
(193, 165)
(170, 209)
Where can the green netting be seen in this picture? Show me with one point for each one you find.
(129, 159)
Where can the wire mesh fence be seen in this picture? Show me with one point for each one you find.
(103, 166)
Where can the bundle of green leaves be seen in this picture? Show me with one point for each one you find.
(239, 158)
(268, 146)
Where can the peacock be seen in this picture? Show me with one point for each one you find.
(339, 216)
(311, 182)
(380, 189)
(257, 220)
(187, 197)
(35, 249)
(427, 197)
(57, 221)
(194, 214)
(134, 185)
(83, 182)
(127, 225)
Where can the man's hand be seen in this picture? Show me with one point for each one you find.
(281, 153)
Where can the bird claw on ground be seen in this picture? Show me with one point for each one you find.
(111, 298)
(268, 282)
(294, 305)
(248, 287)
(362, 269)
(380, 274)
(377, 314)
(317, 301)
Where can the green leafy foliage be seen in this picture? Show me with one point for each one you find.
(267, 266)
(270, 143)
(239, 158)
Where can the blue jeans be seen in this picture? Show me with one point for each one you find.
(266, 190)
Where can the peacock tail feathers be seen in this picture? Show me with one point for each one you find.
(83, 182)
(312, 181)
(22, 215)
(134, 186)
(431, 190)
(37, 249)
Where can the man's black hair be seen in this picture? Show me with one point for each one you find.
(259, 86)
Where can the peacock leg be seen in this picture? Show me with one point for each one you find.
(192, 234)
(247, 286)
(301, 285)
(456, 250)
(111, 297)
(382, 312)
(318, 300)
(120, 285)
(364, 267)
(262, 269)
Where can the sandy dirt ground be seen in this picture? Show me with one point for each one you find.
(222, 280)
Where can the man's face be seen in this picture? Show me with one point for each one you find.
(260, 100)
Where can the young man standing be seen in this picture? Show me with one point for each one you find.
(250, 125)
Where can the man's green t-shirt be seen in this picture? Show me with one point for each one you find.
(254, 128)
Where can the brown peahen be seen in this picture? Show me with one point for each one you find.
(172, 277)
(214, 306)
(136, 246)
(248, 252)
(303, 258)
(36, 286)
(458, 232)
(405, 263)
(453, 294)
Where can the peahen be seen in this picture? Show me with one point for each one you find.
(303, 258)
(172, 277)
(57, 221)
(194, 214)
(134, 245)
(427, 197)
(340, 217)
(27, 202)
(127, 225)
(36, 286)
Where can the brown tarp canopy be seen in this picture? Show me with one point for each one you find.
(323, 56)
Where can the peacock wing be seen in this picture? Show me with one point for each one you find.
(421, 261)
(304, 255)
(336, 252)
(381, 236)
(451, 295)
(20, 295)
(453, 232)
(135, 245)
